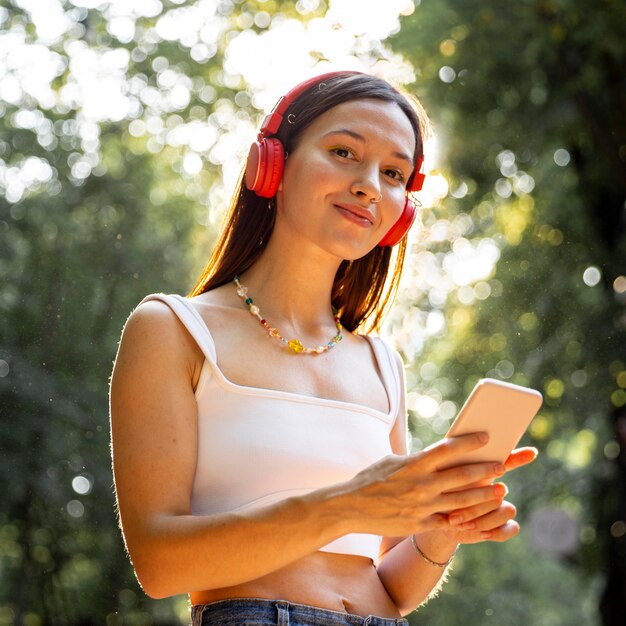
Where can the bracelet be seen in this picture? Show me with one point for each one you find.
(428, 560)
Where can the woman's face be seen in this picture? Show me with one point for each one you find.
(343, 186)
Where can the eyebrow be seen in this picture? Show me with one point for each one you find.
(359, 137)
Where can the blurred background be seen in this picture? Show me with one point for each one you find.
(123, 125)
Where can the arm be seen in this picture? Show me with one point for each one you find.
(408, 577)
(154, 426)
(153, 429)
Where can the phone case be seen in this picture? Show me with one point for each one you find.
(501, 409)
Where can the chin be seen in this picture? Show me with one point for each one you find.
(350, 251)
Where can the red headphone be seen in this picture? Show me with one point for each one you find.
(266, 161)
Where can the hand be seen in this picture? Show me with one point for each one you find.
(495, 524)
(490, 521)
(401, 495)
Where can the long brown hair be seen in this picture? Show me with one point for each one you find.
(364, 288)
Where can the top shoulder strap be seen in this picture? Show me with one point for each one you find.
(387, 362)
(190, 319)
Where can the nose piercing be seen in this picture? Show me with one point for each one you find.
(377, 200)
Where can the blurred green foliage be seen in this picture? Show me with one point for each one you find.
(527, 100)
(109, 215)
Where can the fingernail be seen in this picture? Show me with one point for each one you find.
(500, 489)
(456, 519)
(499, 469)
(483, 437)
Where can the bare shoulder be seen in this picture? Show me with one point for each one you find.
(150, 320)
(365, 343)
(218, 298)
(154, 336)
(150, 315)
(360, 346)
(219, 307)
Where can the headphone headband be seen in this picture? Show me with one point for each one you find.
(274, 119)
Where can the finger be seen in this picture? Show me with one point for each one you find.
(477, 516)
(436, 521)
(520, 457)
(502, 533)
(446, 450)
(474, 474)
(467, 498)
(494, 514)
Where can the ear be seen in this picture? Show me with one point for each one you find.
(280, 184)
(278, 196)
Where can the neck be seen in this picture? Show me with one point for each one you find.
(293, 288)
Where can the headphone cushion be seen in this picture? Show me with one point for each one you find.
(253, 165)
(275, 159)
(398, 231)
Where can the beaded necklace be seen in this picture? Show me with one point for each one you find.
(295, 345)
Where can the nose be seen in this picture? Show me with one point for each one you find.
(366, 185)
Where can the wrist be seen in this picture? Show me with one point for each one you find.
(435, 546)
(331, 509)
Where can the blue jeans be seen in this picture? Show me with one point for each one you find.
(257, 612)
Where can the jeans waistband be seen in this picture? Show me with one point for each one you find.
(261, 612)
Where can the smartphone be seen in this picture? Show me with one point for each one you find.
(501, 409)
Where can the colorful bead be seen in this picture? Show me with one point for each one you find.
(295, 345)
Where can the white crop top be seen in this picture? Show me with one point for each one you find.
(259, 446)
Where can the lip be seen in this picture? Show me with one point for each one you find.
(356, 213)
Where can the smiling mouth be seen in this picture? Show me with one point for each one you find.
(356, 216)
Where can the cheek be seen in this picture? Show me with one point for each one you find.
(396, 207)
(301, 187)
(318, 170)
(304, 179)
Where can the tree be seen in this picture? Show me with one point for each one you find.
(106, 197)
(101, 202)
(524, 280)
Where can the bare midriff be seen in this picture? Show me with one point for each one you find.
(339, 582)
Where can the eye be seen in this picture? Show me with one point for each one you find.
(342, 152)
(394, 174)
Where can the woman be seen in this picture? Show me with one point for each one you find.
(263, 468)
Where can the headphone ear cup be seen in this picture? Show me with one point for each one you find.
(399, 230)
(264, 167)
